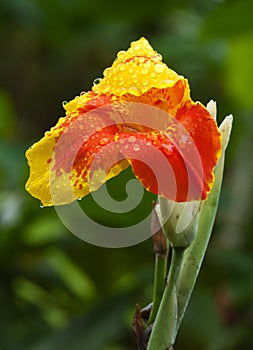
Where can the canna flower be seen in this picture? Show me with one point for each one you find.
(140, 114)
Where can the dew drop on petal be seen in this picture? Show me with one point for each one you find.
(96, 81)
(183, 141)
(106, 89)
(136, 147)
(165, 83)
(41, 205)
(159, 68)
(82, 93)
(122, 90)
(64, 103)
(153, 137)
(104, 141)
(131, 138)
(121, 53)
(105, 72)
(147, 64)
(134, 90)
(168, 149)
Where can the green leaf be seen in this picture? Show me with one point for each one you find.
(239, 69)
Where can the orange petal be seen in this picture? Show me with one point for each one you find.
(202, 130)
(157, 162)
(178, 161)
(60, 161)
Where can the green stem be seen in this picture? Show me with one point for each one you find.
(164, 329)
(159, 284)
(194, 255)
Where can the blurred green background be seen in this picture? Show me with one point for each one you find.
(58, 292)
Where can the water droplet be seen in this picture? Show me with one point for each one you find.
(82, 93)
(122, 141)
(79, 198)
(122, 68)
(166, 83)
(106, 89)
(148, 144)
(137, 47)
(168, 149)
(136, 147)
(183, 141)
(121, 53)
(130, 70)
(153, 75)
(144, 71)
(122, 90)
(153, 137)
(96, 81)
(104, 141)
(106, 71)
(159, 68)
(134, 90)
(131, 138)
(64, 103)
(157, 57)
(41, 205)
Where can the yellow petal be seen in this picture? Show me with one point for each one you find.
(135, 71)
(39, 159)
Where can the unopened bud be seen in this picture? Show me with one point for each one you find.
(179, 221)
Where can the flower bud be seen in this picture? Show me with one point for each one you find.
(179, 221)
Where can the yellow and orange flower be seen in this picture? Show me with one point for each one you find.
(140, 115)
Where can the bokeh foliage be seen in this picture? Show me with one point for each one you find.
(58, 292)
